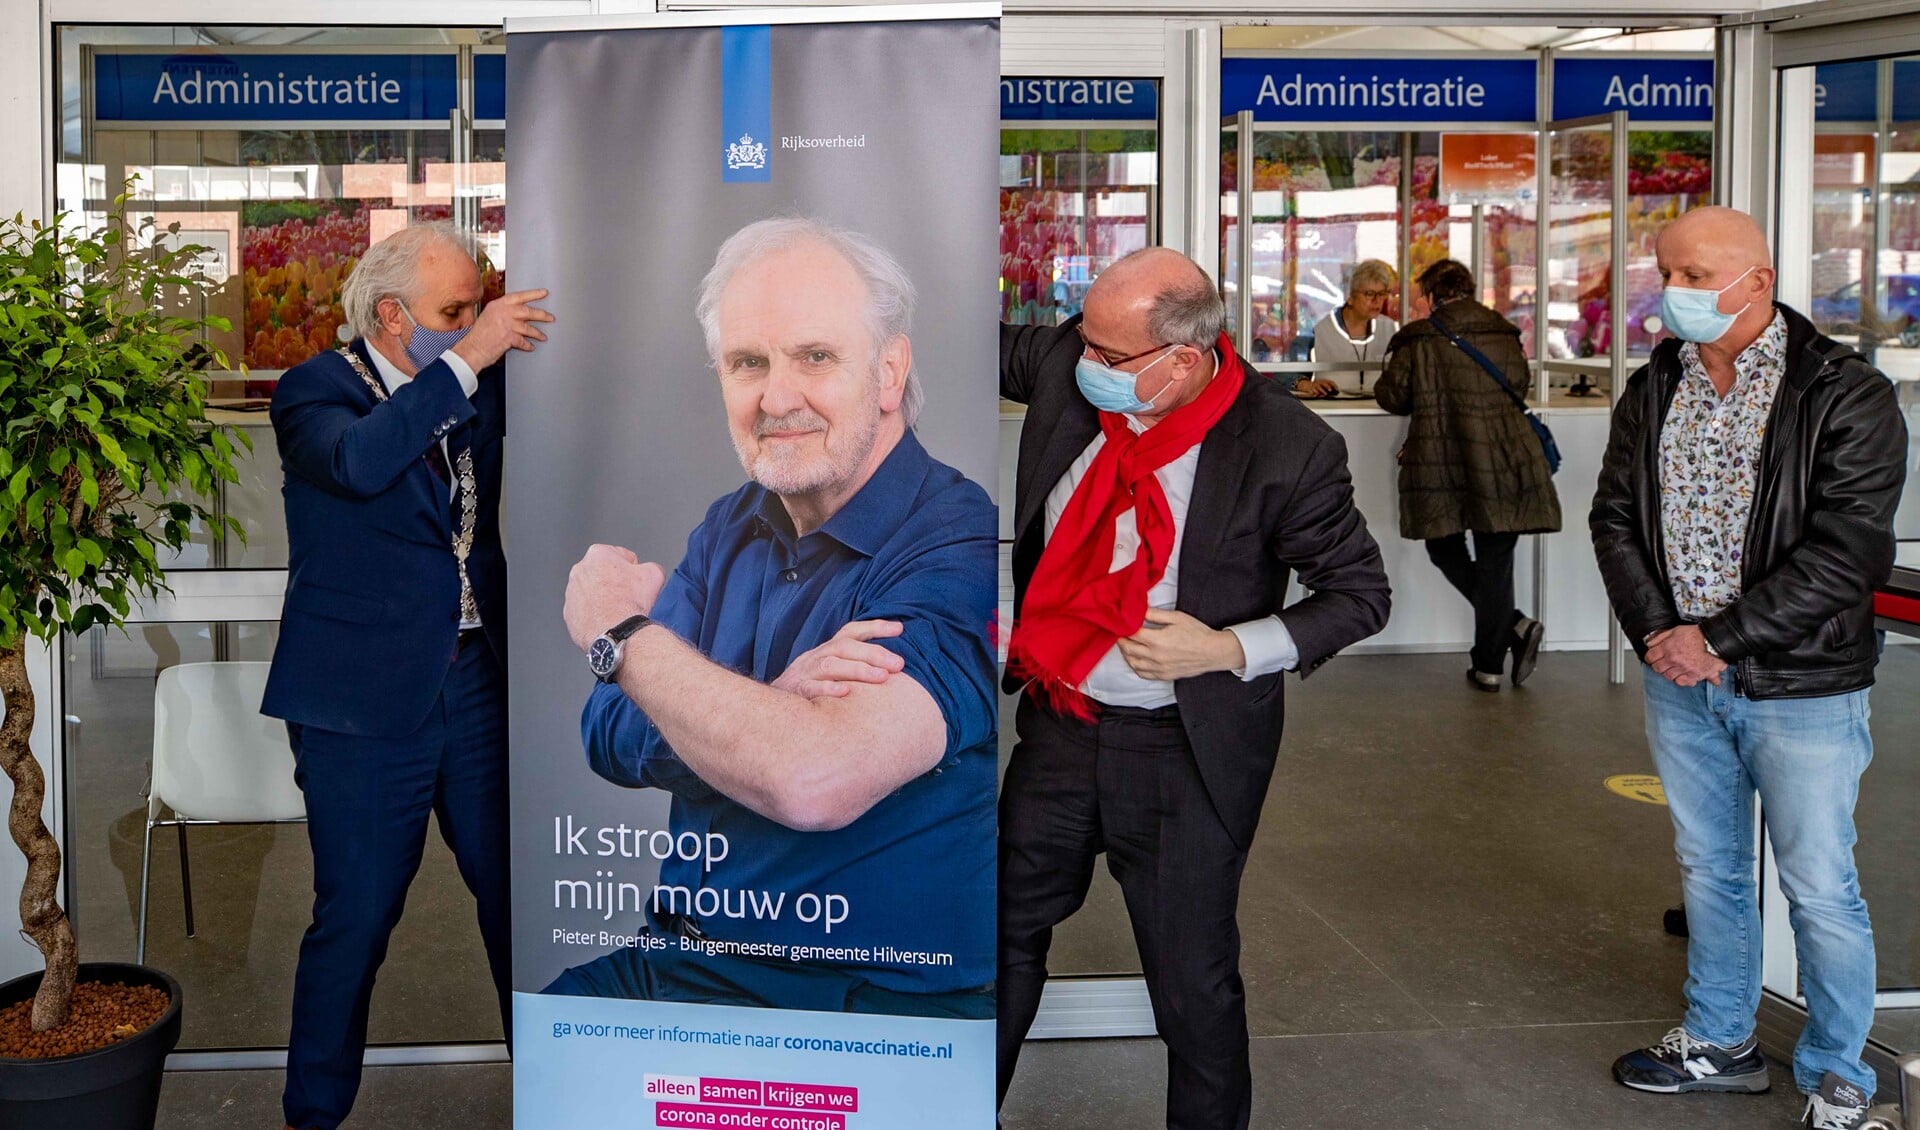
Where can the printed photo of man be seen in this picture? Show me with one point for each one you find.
(814, 681)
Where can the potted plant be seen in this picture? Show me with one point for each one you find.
(105, 448)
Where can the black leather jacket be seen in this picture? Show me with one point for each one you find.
(1820, 535)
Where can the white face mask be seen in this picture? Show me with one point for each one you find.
(1694, 314)
(1111, 390)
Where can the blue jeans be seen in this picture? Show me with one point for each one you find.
(1713, 748)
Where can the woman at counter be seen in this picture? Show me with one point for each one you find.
(1471, 463)
(1358, 331)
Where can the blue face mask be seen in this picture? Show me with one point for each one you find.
(426, 346)
(1694, 315)
(1111, 390)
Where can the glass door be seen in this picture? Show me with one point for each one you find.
(288, 204)
(1848, 250)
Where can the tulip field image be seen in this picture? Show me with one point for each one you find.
(296, 255)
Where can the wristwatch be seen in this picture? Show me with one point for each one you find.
(1711, 650)
(603, 654)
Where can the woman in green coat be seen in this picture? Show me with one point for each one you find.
(1471, 463)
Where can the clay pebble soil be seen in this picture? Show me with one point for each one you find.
(101, 1015)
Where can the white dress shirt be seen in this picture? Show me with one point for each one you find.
(1269, 647)
(394, 379)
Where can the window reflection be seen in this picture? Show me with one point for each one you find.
(250, 884)
(1071, 202)
(283, 236)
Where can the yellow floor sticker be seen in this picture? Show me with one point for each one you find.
(1643, 787)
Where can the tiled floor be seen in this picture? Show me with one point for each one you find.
(1449, 922)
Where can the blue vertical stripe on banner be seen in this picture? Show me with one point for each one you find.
(746, 104)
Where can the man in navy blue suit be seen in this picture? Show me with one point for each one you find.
(390, 670)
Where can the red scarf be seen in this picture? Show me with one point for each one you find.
(1077, 606)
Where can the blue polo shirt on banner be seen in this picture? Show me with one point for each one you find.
(917, 544)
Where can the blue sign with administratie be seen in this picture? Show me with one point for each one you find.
(490, 87)
(1649, 89)
(1846, 92)
(1444, 89)
(1906, 90)
(1079, 100)
(1850, 92)
(197, 87)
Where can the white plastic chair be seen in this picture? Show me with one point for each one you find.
(216, 760)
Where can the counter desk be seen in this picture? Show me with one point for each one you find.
(1563, 589)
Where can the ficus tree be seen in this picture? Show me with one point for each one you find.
(107, 464)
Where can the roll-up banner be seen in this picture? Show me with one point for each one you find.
(754, 884)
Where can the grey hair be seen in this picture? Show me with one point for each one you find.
(390, 269)
(1370, 271)
(890, 292)
(1188, 313)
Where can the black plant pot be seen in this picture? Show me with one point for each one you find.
(112, 1088)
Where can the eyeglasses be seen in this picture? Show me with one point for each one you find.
(1371, 295)
(1110, 361)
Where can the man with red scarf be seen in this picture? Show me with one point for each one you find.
(1165, 495)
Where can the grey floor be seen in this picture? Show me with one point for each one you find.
(1449, 922)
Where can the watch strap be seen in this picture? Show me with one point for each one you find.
(606, 663)
(619, 632)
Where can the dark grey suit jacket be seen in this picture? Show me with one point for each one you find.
(1271, 498)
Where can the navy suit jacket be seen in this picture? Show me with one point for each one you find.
(373, 594)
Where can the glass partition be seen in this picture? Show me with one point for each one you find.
(1493, 233)
(1579, 259)
(1071, 202)
(1669, 172)
(1320, 200)
(1845, 210)
(1074, 196)
(1859, 203)
(287, 208)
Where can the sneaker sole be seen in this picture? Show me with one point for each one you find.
(1527, 656)
(1752, 1083)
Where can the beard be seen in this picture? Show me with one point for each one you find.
(784, 469)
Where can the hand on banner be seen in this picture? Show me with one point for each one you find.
(508, 322)
(605, 587)
(1173, 645)
(1680, 655)
(830, 670)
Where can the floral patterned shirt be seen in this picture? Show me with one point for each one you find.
(1709, 462)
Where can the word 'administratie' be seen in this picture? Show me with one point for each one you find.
(196, 89)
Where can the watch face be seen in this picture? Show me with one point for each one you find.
(601, 656)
